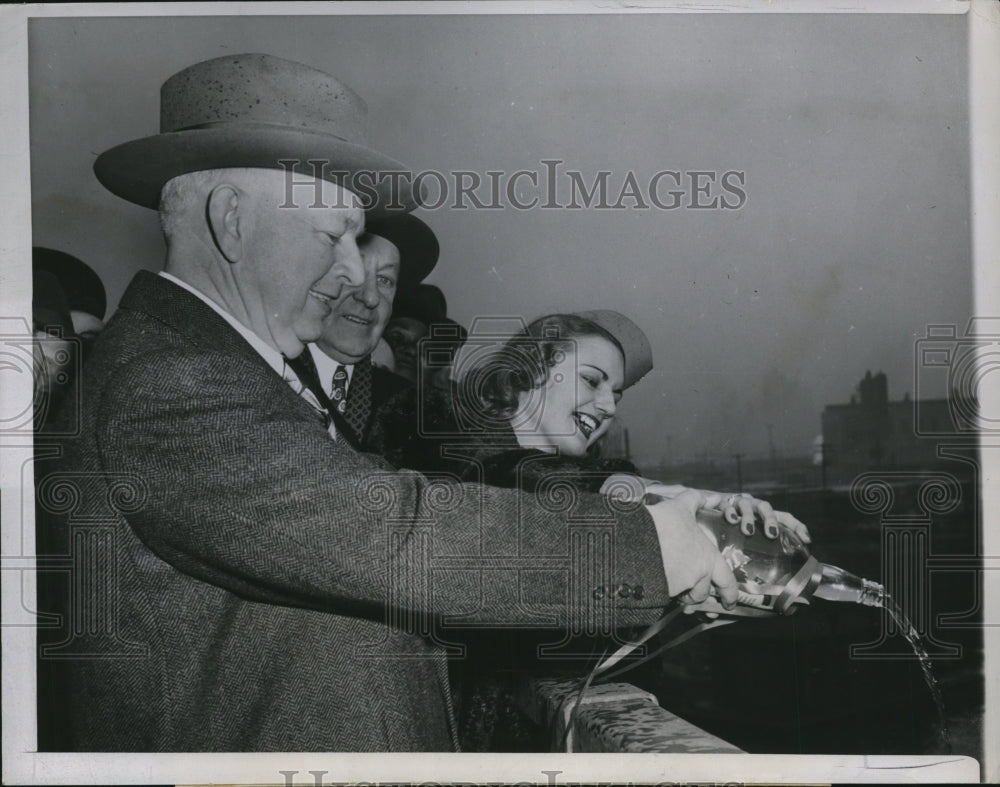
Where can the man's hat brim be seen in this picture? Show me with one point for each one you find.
(138, 170)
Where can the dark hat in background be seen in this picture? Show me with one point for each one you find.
(634, 343)
(84, 291)
(425, 303)
(417, 244)
(255, 110)
(49, 306)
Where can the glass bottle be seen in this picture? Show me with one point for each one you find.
(775, 572)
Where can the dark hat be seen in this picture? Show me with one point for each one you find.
(82, 286)
(49, 308)
(425, 303)
(634, 343)
(256, 110)
(417, 244)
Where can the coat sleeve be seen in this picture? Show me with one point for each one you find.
(244, 489)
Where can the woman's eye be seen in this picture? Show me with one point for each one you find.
(589, 381)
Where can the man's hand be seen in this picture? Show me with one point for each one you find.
(691, 562)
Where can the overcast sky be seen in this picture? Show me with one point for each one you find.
(851, 132)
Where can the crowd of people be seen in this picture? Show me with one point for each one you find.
(316, 485)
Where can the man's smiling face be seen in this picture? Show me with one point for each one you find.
(359, 315)
(297, 259)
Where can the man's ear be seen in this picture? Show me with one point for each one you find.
(226, 219)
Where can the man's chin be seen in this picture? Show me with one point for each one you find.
(346, 353)
(293, 344)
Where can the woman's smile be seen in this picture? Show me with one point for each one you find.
(588, 424)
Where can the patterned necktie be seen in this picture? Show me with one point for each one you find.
(305, 368)
(359, 400)
(338, 391)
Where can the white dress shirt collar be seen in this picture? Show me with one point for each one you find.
(272, 357)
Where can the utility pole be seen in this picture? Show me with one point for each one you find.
(739, 471)
(773, 453)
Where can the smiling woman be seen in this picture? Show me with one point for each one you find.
(559, 381)
(537, 407)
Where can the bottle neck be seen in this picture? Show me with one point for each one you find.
(839, 585)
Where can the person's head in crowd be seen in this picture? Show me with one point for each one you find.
(54, 348)
(557, 383)
(397, 253)
(250, 221)
(418, 314)
(85, 295)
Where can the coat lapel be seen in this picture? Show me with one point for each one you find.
(186, 314)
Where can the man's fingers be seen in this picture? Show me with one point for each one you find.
(699, 592)
(725, 583)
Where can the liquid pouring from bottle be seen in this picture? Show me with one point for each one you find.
(775, 573)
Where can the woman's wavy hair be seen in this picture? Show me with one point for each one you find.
(522, 364)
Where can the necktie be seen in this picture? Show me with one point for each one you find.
(338, 391)
(359, 400)
(305, 368)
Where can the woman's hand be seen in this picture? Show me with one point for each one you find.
(741, 508)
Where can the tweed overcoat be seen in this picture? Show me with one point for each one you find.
(272, 589)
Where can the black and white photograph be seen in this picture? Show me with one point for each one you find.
(494, 389)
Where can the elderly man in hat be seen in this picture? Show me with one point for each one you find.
(397, 253)
(254, 583)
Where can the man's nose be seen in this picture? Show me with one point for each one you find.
(368, 293)
(348, 267)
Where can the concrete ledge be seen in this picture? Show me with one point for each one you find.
(613, 717)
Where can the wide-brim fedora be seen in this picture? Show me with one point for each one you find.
(259, 111)
(417, 244)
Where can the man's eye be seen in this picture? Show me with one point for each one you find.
(386, 281)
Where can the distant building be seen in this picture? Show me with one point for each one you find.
(873, 433)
